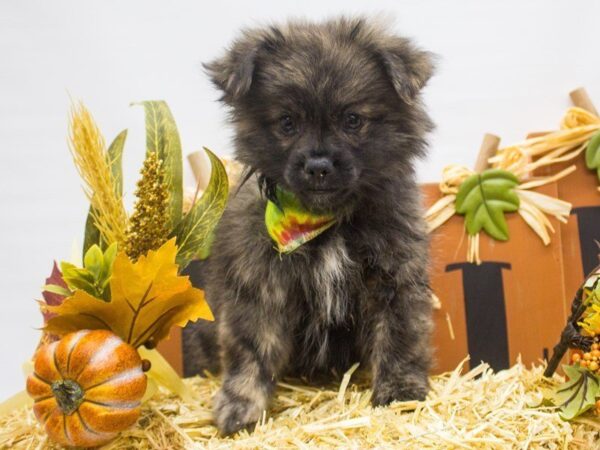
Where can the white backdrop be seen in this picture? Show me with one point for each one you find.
(506, 67)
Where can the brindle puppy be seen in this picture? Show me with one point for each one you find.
(330, 111)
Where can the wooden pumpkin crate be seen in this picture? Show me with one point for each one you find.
(511, 305)
(581, 234)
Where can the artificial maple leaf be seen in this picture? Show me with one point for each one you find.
(578, 394)
(52, 298)
(147, 298)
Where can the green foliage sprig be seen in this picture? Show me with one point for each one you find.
(158, 213)
(93, 277)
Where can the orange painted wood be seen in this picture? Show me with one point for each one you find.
(581, 190)
(171, 348)
(536, 309)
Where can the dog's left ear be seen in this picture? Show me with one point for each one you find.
(408, 67)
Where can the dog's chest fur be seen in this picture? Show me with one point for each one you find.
(328, 296)
(329, 287)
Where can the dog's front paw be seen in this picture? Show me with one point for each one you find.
(385, 392)
(233, 413)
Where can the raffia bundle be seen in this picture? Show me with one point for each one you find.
(533, 206)
(522, 159)
(565, 144)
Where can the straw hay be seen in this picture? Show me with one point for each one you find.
(478, 409)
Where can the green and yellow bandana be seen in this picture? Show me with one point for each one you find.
(290, 224)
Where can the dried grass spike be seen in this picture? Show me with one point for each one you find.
(89, 154)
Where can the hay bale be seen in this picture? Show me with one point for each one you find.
(476, 409)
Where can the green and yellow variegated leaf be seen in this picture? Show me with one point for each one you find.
(115, 157)
(194, 231)
(484, 198)
(578, 394)
(162, 137)
(592, 154)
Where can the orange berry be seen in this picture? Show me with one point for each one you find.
(595, 353)
(595, 346)
(593, 366)
(587, 356)
(576, 357)
(584, 363)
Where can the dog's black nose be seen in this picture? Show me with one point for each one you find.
(317, 169)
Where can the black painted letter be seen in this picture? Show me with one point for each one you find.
(588, 223)
(485, 312)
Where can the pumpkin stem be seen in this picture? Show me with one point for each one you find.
(68, 394)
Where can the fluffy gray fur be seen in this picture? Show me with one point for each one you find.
(332, 112)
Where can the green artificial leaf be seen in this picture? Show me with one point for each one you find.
(115, 155)
(77, 278)
(162, 137)
(592, 154)
(204, 251)
(194, 232)
(91, 234)
(484, 198)
(93, 277)
(578, 394)
(107, 260)
(58, 290)
(94, 261)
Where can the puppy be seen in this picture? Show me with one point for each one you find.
(331, 113)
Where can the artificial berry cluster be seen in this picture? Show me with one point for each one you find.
(590, 360)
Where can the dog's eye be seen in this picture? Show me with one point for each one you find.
(287, 125)
(352, 121)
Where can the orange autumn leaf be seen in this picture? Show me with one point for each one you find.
(148, 297)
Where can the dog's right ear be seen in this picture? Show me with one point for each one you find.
(233, 72)
(408, 67)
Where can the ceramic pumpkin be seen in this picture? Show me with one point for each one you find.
(87, 387)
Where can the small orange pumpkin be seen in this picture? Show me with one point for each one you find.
(87, 387)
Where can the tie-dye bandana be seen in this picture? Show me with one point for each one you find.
(290, 225)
